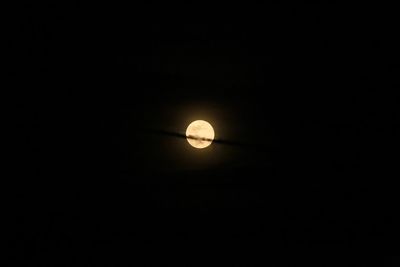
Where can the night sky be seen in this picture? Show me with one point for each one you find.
(299, 96)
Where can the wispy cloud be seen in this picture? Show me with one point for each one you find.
(217, 141)
(194, 137)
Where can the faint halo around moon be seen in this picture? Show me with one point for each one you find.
(200, 134)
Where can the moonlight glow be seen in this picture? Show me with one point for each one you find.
(200, 134)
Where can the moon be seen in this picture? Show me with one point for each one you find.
(200, 134)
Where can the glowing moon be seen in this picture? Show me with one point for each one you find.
(200, 134)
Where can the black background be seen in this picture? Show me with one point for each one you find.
(304, 91)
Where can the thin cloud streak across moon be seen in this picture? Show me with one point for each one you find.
(217, 141)
(199, 138)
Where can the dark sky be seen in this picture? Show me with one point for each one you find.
(298, 93)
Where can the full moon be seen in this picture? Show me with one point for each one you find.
(200, 134)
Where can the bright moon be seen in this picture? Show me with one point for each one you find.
(200, 134)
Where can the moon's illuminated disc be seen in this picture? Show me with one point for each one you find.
(200, 134)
